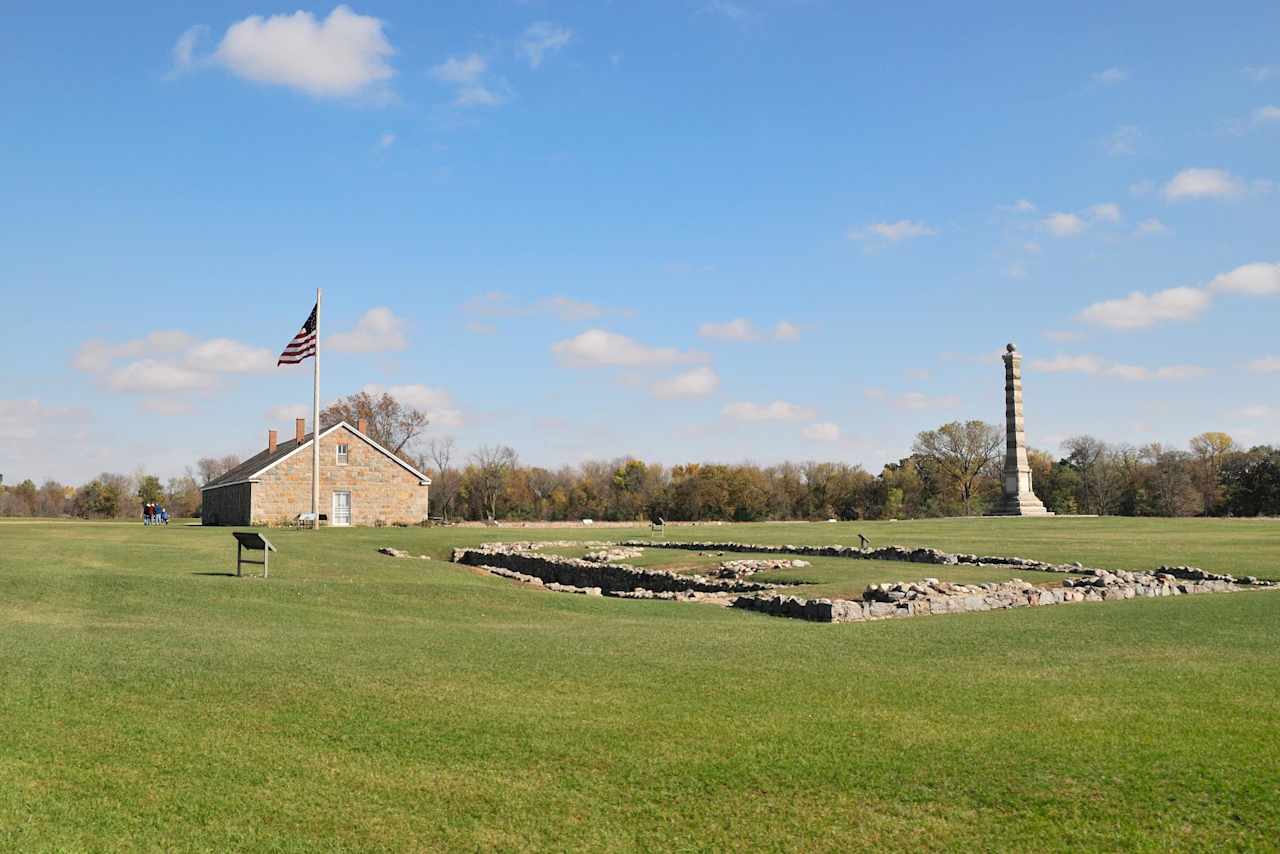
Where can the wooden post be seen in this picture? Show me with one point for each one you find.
(266, 558)
(239, 551)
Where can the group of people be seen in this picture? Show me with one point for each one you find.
(154, 514)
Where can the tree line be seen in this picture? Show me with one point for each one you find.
(954, 470)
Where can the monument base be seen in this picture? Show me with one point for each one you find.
(1021, 505)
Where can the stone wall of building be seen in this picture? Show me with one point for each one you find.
(611, 578)
(226, 505)
(931, 596)
(381, 490)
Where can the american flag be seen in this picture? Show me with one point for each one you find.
(303, 345)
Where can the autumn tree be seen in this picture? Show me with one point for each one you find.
(392, 424)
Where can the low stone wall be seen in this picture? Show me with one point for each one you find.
(927, 556)
(931, 596)
(611, 578)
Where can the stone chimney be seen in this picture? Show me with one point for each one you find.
(363, 425)
(272, 436)
(300, 429)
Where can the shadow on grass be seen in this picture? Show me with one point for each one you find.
(218, 574)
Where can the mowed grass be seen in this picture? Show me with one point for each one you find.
(357, 702)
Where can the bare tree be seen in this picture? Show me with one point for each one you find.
(961, 453)
(1091, 458)
(494, 465)
(211, 468)
(447, 481)
(1211, 450)
(392, 424)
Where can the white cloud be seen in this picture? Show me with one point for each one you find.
(1139, 310)
(599, 348)
(1261, 73)
(823, 431)
(1123, 140)
(739, 329)
(1064, 224)
(1093, 365)
(1257, 410)
(778, 410)
(1016, 270)
(699, 382)
(437, 403)
(1150, 227)
(542, 39)
(1259, 279)
(222, 355)
(1105, 212)
(917, 374)
(1031, 247)
(1020, 206)
(1199, 183)
(892, 232)
(152, 375)
(288, 413)
(386, 141)
(467, 75)
(342, 56)
(377, 331)
(96, 356)
(1265, 365)
(785, 331)
(1110, 76)
(1063, 335)
(1145, 187)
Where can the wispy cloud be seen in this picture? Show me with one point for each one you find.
(778, 410)
(893, 232)
(1123, 141)
(822, 431)
(599, 348)
(542, 39)
(1110, 76)
(699, 382)
(1096, 366)
(468, 75)
(1265, 365)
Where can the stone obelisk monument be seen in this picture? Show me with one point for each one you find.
(1019, 500)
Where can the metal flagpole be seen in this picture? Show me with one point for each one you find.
(315, 426)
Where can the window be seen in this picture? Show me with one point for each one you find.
(342, 455)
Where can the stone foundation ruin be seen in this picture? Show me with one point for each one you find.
(598, 576)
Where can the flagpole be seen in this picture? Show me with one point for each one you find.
(315, 426)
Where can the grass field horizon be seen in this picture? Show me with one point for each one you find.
(356, 702)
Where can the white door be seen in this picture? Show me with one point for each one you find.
(341, 508)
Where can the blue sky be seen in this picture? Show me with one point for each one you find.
(760, 229)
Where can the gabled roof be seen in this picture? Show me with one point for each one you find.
(260, 462)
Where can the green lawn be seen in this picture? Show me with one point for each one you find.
(357, 702)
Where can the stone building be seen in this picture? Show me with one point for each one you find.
(361, 483)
